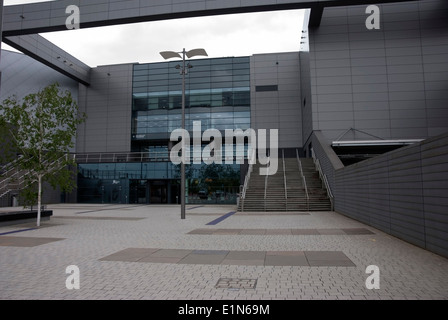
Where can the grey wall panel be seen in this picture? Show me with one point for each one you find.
(50, 16)
(402, 66)
(280, 109)
(108, 103)
(22, 75)
(434, 157)
(403, 192)
(306, 97)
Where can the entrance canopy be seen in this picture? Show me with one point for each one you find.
(352, 151)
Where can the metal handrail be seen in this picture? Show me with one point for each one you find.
(247, 177)
(304, 180)
(122, 157)
(112, 157)
(19, 182)
(266, 185)
(330, 194)
(8, 175)
(323, 178)
(284, 174)
(10, 166)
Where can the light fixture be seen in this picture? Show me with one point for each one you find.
(183, 70)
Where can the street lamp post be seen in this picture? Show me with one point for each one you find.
(183, 71)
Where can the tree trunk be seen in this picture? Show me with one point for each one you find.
(39, 199)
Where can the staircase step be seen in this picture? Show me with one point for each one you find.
(295, 198)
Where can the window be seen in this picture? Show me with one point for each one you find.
(266, 88)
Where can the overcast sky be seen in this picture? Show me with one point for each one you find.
(220, 36)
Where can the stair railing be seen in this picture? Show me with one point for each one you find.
(245, 186)
(323, 178)
(304, 180)
(12, 183)
(266, 185)
(284, 175)
(249, 171)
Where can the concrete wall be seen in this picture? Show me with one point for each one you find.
(108, 105)
(391, 82)
(275, 96)
(403, 192)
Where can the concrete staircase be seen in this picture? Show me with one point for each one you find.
(318, 198)
(295, 188)
(265, 194)
(254, 200)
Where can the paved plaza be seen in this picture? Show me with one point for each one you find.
(149, 252)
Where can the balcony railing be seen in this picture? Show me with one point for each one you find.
(164, 156)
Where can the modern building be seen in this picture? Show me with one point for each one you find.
(368, 104)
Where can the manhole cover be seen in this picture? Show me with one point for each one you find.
(236, 283)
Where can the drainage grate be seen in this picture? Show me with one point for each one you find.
(236, 283)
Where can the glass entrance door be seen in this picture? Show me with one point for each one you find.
(139, 192)
(158, 191)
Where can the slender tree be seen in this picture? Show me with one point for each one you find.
(42, 128)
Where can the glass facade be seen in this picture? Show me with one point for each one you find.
(217, 94)
(157, 182)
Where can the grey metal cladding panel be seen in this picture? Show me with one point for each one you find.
(332, 34)
(370, 96)
(403, 231)
(335, 63)
(370, 61)
(437, 241)
(366, 44)
(342, 53)
(403, 51)
(332, 72)
(367, 53)
(437, 245)
(325, 81)
(333, 89)
(123, 5)
(335, 107)
(432, 144)
(370, 88)
(408, 77)
(98, 13)
(341, 97)
(44, 51)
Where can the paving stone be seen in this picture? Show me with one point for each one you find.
(286, 260)
(11, 241)
(357, 231)
(304, 232)
(278, 232)
(245, 262)
(246, 255)
(130, 254)
(171, 253)
(203, 259)
(160, 259)
(330, 231)
(253, 232)
(115, 257)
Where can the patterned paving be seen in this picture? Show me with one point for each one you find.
(236, 283)
(146, 253)
(225, 257)
(9, 241)
(328, 231)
